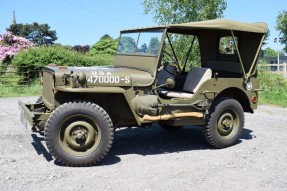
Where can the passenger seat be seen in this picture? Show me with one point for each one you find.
(195, 78)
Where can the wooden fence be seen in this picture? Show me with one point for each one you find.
(16, 76)
(276, 68)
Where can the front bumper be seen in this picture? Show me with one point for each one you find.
(34, 114)
(26, 113)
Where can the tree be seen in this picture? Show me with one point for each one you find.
(269, 52)
(153, 45)
(281, 25)
(127, 44)
(180, 11)
(143, 48)
(106, 45)
(174, 11)
(106, 36)
(39, 34)
(266, 38)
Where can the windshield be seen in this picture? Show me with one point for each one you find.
(142, 43)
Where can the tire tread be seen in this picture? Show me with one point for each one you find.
(208, 130)
(69, 107)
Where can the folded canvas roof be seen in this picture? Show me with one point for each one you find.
(224, 24)
(216, 24)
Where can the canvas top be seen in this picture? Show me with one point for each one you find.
(216, 24)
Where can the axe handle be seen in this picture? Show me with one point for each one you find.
(170, 116)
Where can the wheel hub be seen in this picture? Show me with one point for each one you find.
(79, 135)
(225, 124)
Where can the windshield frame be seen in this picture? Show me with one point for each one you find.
(136, 50)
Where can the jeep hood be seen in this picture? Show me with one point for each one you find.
(102, 75)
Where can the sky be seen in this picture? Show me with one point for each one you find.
(85, 22)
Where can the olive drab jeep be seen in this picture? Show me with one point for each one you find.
(190, 74)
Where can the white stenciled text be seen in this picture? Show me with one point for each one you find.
(107, 78)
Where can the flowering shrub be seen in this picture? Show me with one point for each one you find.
(11, 45)
(81, 49)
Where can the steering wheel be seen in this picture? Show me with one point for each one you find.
(164, 67)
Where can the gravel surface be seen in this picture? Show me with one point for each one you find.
(151, 159)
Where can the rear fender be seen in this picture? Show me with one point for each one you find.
(240, 96)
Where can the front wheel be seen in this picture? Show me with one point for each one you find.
(79, 133)
(225, 124)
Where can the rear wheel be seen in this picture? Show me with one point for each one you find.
(79, 133)
(225, 124)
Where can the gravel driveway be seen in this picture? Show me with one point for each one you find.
(151, 159)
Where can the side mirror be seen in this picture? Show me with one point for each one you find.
(169, 83)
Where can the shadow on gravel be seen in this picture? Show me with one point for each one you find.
(39, 147)
(247, 134)
(155, 140)
(147, 141)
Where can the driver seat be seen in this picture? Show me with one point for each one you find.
(195, 78)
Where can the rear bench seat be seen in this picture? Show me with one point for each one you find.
(225, 67)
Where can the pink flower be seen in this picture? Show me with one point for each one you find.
(11, 45)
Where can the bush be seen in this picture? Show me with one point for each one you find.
(106, 45)
(36, 57)
(274, 88)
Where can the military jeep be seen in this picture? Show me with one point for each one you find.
(191, 74)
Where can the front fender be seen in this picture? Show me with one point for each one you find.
(115, 100)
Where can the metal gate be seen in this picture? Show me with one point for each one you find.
(16, 76)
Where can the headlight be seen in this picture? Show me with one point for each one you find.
(81, 78)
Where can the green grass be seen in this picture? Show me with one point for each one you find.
(17, 91)
(274, 89)
(277, 97)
